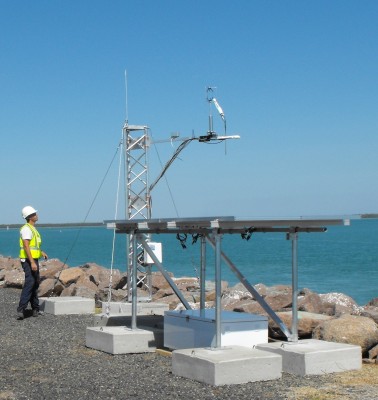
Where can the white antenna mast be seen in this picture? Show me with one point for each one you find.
(126, 105)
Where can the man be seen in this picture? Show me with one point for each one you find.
(30, 253)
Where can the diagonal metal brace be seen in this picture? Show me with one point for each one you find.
(164, 272)
(253, 291)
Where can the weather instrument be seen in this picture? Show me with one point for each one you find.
(211, 134)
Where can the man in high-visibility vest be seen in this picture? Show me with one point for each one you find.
(30, 253)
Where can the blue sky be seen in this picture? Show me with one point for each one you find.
(296, 79)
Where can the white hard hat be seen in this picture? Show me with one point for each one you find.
(28, 210)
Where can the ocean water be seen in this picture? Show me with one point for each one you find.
(344, 259)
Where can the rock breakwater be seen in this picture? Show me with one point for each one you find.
(330, 316)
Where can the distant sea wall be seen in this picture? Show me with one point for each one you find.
(55, 225)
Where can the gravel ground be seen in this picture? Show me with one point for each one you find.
(46, 358)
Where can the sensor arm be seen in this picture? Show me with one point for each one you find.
(219, 108)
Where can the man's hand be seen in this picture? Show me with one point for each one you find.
(33, 266)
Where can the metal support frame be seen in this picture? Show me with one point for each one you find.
(137, 196)
(253, 292)
(212, 231)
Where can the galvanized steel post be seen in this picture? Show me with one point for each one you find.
(203, 275)
(134, 278)
(294, 309)
(218, 289)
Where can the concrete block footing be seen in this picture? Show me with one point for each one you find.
(123, 340)
(226, 365)
(122, 308)
(153, 321)
(315, 357)
(67, 305)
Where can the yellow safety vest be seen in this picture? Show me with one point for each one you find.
(34, 244)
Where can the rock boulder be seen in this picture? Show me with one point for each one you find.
(310, 302)
(71, 275)
(307, 322)
(50, 268)
(9, 263)
(341, 303)
(248, 306)
(46, 287)
(14, 278)
(352, 329)
(373, 302)
(370, 312)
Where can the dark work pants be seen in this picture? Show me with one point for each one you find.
(30, 290)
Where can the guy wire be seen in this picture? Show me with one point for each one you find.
(87, 214)
(114, 233)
